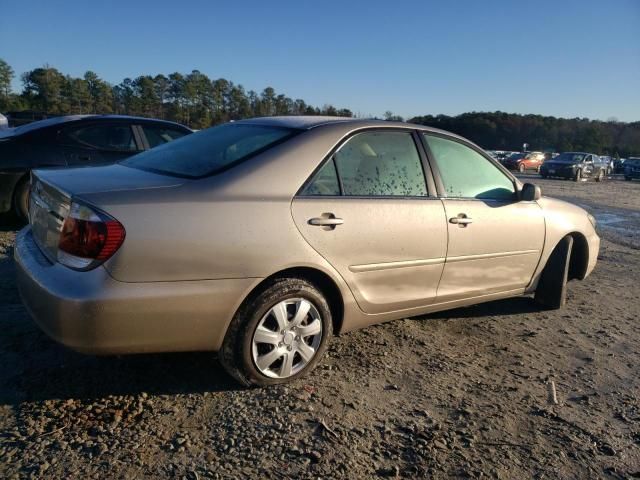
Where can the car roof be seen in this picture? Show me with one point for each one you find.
(49, 122)
(308, 122)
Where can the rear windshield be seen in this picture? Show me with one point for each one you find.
(210, 151)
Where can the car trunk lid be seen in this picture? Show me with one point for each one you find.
(53, 191)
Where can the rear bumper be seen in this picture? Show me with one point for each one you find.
(93, 313)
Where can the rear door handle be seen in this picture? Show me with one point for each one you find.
(461, 220)
(326, 222)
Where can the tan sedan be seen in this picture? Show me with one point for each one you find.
(260, 239)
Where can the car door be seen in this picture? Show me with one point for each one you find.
(495, 241)
(538, 160)
(369, 213)
(99, 143)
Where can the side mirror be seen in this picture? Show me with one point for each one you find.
(530, 192)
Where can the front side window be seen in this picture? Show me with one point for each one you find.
(106, 137)
(467, 174)
(210, 151)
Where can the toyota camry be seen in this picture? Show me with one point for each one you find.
(260, 239)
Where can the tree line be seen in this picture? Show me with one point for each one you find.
(509, 131)
(192, 99)
(198, 101)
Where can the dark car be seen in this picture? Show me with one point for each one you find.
(72, 141)
(632, 169)
(524, 161)
(618, 165)
(575, 166)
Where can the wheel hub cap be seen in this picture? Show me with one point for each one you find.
(287, 338)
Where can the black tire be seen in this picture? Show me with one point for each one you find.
(21, 200)
(521, 168)
(236, 352)
(538, 169)
(600, 176)
(552, 287)
(578, 176)
(543, 175)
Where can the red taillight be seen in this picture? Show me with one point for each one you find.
(88, 238)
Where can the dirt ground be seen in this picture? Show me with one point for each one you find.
(459, 394)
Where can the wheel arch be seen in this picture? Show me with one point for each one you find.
(579, 260)
(23, 179)
(320, 279)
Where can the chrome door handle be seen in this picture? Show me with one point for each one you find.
(326, 222)
(461, 220)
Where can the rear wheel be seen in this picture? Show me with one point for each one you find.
(278, 335)
(552, 287)
(600, 176)
(21, 199)
(521, 168)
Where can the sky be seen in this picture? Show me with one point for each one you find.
(567, 58)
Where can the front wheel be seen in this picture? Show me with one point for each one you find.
(600, 176)
(278, 335)
(551, 292)
(521, 168)
(578, 176)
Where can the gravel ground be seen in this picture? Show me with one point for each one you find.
(459, 394)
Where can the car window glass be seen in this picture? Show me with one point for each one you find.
(381, 164)
(106, 137)
(210, 151)
(325, 181)
(159, 135)
(467, 174)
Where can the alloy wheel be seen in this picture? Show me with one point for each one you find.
(287, 338)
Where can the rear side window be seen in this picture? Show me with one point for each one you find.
(106, 137)
(159, 135)
(325, 182)
(211, 150)
(467, 174)
(373, 164)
